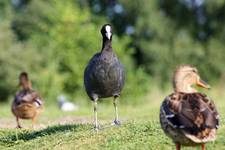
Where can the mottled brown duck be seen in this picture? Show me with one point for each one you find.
(27, 103)
(188, 117)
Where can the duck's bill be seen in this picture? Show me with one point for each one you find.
(203, 84)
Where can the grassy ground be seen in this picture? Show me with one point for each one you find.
(73, 130)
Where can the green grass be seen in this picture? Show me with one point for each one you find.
(131, 135)
(140, 128)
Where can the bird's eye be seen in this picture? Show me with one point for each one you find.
(195, 71)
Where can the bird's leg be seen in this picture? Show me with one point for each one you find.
(115, 100)
(18, 123)
(203, 146)
(96, 115)
(177, 146)
(33, 122)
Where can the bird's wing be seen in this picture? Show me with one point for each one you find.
(193, 113)
(28, 97)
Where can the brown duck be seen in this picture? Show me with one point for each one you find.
(188, 117)
(27, 103)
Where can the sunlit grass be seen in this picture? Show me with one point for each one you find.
(140, 127)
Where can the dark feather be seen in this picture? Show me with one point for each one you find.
(27, 96)
(104, 75)
(193, 112)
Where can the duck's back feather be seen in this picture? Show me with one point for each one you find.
(192, 113)
(27, 104)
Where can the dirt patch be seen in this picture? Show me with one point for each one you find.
(11, 123)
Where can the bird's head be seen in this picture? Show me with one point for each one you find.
(24, 81)
(107, 31)
(185, 77)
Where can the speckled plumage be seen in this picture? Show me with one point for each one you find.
(27, 103)
(189, 118)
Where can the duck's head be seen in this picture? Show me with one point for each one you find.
(24, 81)
(107, 31)
(185, 77)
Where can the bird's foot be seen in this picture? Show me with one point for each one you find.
(116, 122)
(96, 128)
(19, 127)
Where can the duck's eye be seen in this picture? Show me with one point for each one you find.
(195, 71)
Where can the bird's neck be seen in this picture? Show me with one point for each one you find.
(26, 86)
(184, 88)
(106, 45)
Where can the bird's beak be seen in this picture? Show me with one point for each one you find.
(203, 84)
(108, 35)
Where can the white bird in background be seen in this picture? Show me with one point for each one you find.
(65, 105)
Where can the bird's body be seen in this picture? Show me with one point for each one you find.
(188, 117)
(104, 75)
(27, 103)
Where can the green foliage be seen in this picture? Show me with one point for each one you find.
(14, 58)
(60, 37)
(165, 39)
(66, 37)
(169, 33)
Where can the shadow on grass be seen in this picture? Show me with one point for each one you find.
(16, 136)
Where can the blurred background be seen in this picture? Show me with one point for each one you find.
(53, 41)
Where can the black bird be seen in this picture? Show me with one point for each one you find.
(104, 75)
